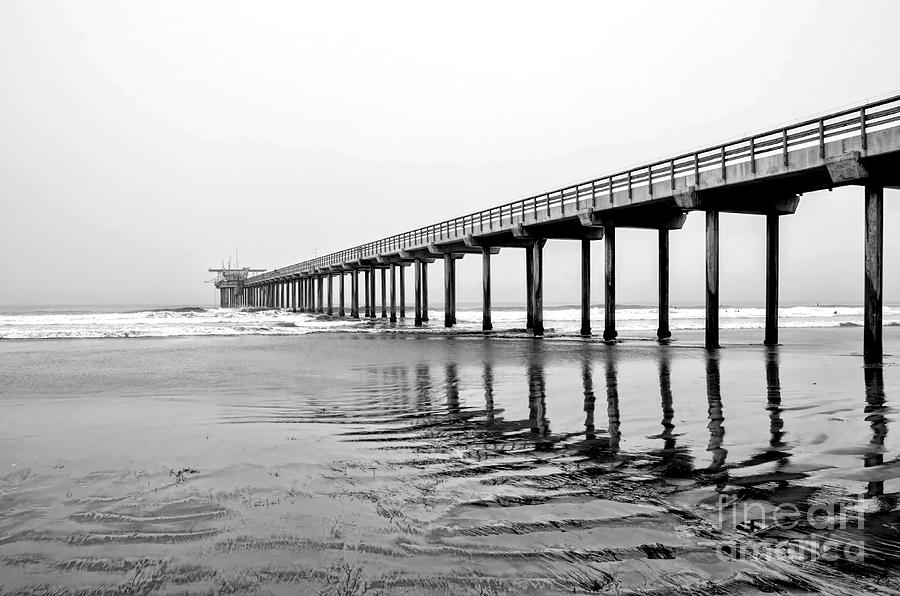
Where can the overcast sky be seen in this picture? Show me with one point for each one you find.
(143, 142)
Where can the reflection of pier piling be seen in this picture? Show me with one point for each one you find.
(716, 414)
(759, 175)
(875, 410)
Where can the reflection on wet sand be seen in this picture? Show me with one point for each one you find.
(875, 415)
(537, 405)
(716, 414)
(612, 401)
(773, 401)
(443, 474)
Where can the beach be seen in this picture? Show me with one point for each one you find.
(378, 460)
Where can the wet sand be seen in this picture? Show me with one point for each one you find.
(435, 464)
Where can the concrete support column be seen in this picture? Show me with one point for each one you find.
(366, 293)
(393, 317)
(585, 287)
(373, 281)
(330, 295)
(663, 332)
(424, 291)
(417, 291)
(771, 338)
(486, 324)
(529, 287)
(448, 290)
(609, 307)
(321, 305)
(402, 291)
(712, 279)
(383, 293)
(453, 291)
(354, 294)
(874, 247)
(341, 294)
(537, 288)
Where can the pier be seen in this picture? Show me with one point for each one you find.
(763, 175)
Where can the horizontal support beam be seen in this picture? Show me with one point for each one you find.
(661, 218)
(568, 231)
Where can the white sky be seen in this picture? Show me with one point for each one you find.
(141, 141)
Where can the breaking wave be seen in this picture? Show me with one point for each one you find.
(198, 321)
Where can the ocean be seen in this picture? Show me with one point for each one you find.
(154, 321)
(166, 450)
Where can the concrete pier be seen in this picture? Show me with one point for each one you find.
(585, 287)
(609, 242)
(874, 247)
(373, 285)
(486, 324)
(341, 294)
(662, 331)
(762, 174)
(712, 279)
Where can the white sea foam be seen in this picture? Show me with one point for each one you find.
(214, 321)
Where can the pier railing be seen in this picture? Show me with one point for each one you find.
(598, 192)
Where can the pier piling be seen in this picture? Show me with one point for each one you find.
(383, 293)
(448, 290)
(874, 246)
(330, 295)
(529, 287)
(373, 283)
(537, 288)
(486, 324)
(393, 318)
(771, 336)
(417, 291)
(585, 287)
(663, 332)
(403, 291)
(424, 291)
(712, 279)
(354, 294)
(366, 293)
(609, 242)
